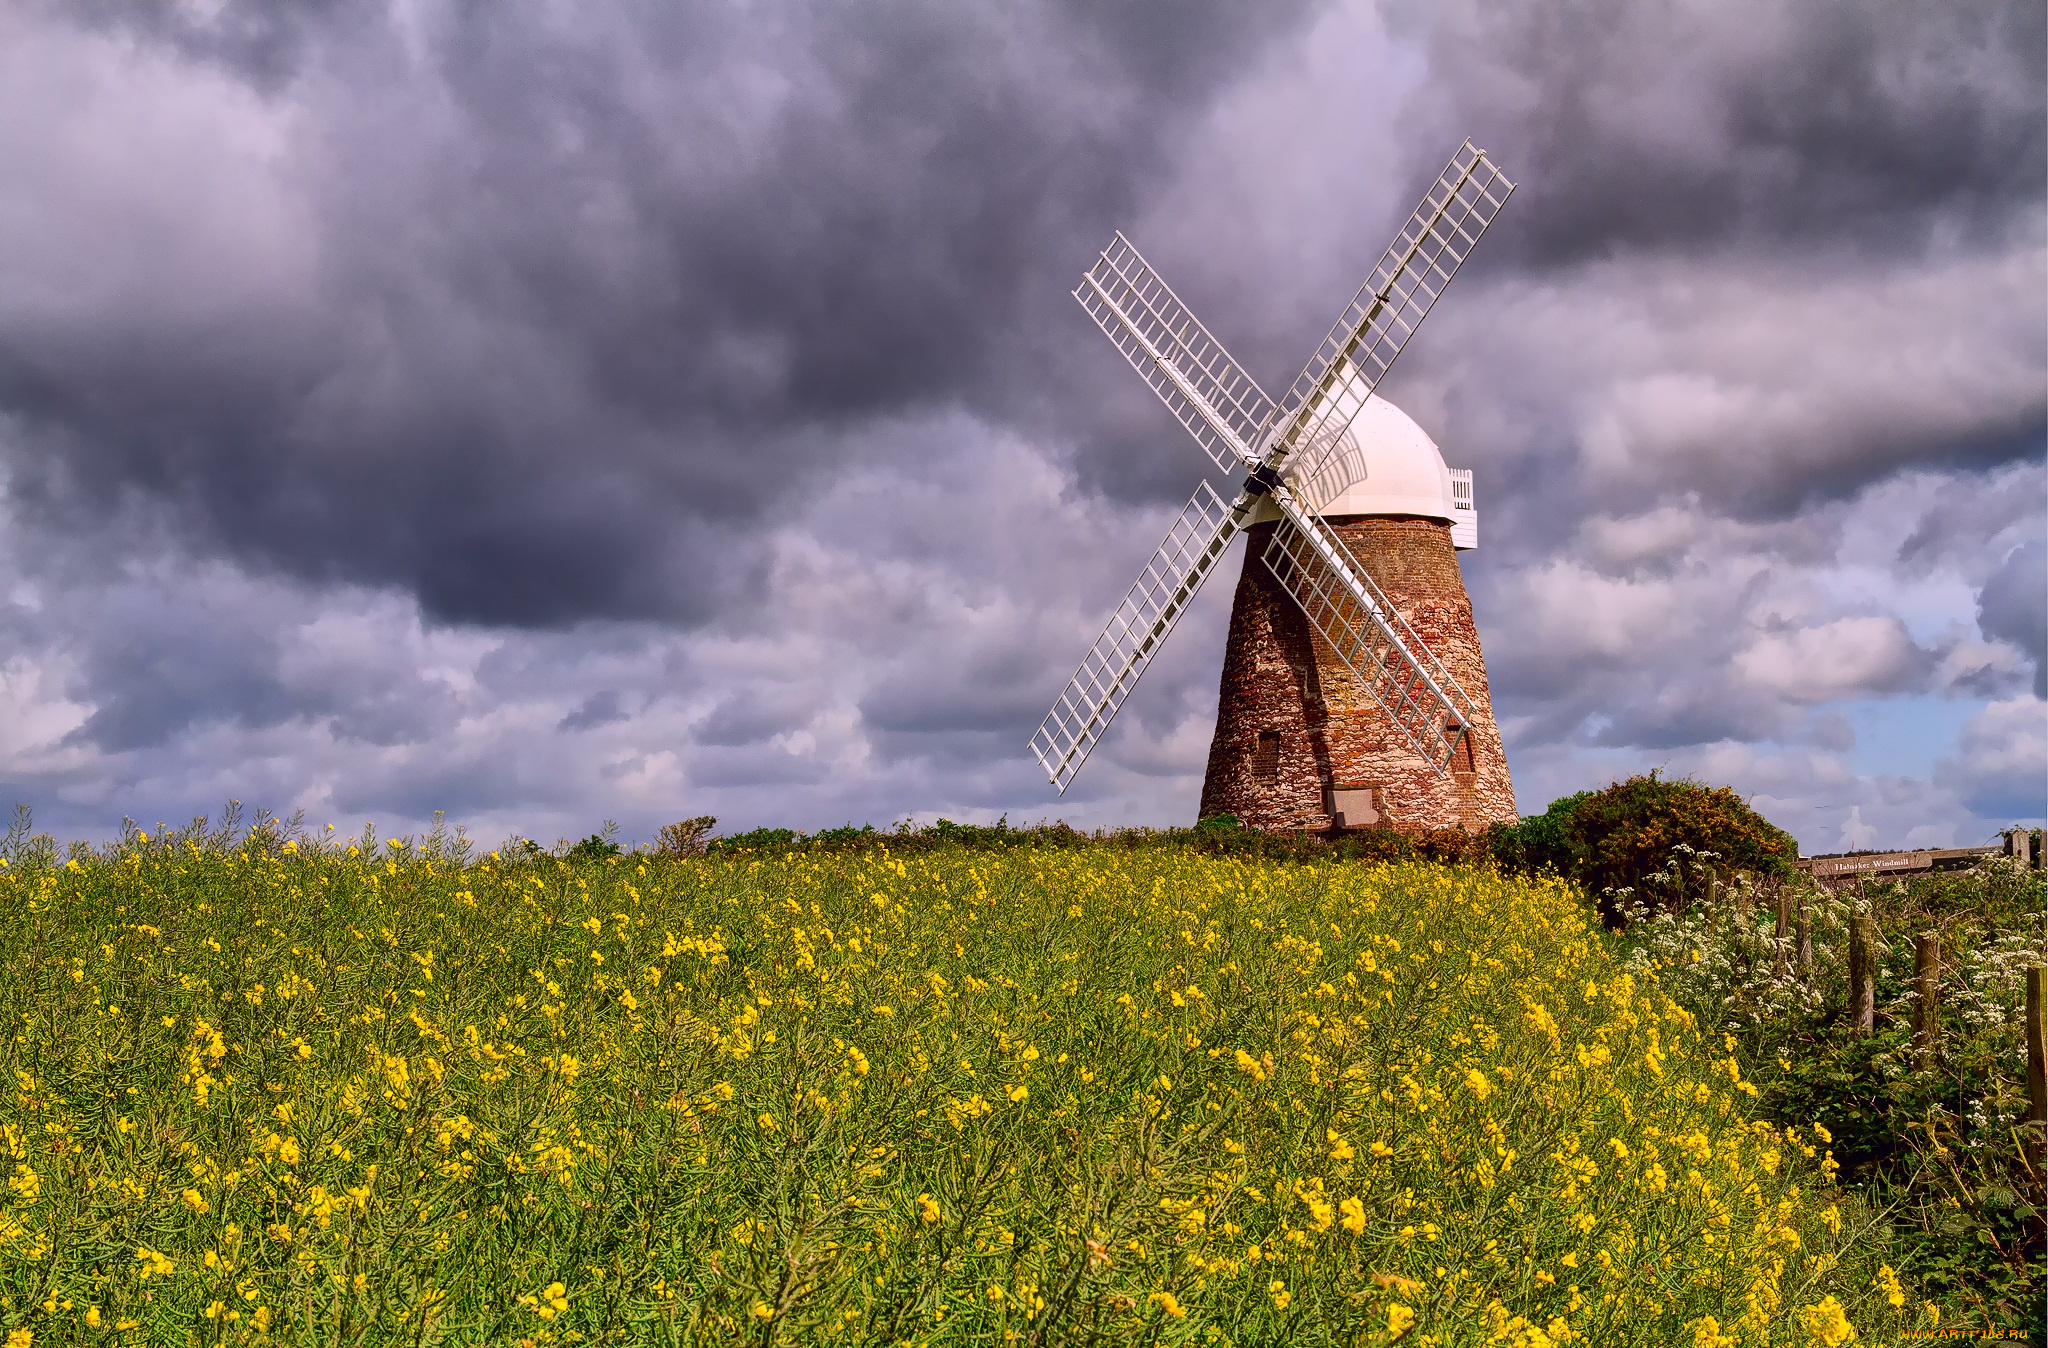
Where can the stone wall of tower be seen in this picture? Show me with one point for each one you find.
(1327, 732)
(1271, 684)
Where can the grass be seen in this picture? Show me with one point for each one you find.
(268, 1089)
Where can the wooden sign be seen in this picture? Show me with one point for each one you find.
(1891, 863)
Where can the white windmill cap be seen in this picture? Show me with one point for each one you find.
(1385, 465)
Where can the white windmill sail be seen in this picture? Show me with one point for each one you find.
(1223, 407)
(1173, 576)
(1369, 334)
(1231, 418)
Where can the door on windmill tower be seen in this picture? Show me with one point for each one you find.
(1356, 805)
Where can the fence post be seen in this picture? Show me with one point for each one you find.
(1784, 930)
(2037, 1063)
(1927, 998)
(1805, 941)
(1862, 964)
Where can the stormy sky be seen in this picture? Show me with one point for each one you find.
(557, 413)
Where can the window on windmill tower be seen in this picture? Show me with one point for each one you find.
(1461, 757)
(1266, 755)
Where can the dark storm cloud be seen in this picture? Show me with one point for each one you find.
(156, 673)
(2013, 606)
(1763, 255)
(753, 715)
(601, 708)
(591, 292)
(909, 704)
(588, 294)
(1715, 126)
(158, 662)
(449, 328)
(265, 44)
(1965, 511)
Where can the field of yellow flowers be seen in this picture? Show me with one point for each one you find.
(316, 1094)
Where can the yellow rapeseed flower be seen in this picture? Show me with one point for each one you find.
(550, 1303)
(1826, 1323)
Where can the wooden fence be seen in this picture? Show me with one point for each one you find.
(2022, 843)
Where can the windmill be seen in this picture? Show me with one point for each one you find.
(1335, 709)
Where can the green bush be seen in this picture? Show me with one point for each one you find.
(1622, 841)
(594, 848)
(756, 840)
(847, 833)
(1539, 843)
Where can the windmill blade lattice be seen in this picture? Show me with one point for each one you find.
(1182, 562)
(1384, 313)
(1348, 611)
(1206, 390)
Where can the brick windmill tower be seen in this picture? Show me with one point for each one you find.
(1300, 742)
(1353, 688)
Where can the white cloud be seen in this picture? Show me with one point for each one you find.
(1848, 657)
(154, 170)
(1750, 385)
(1857, 835)
(2000, 768)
